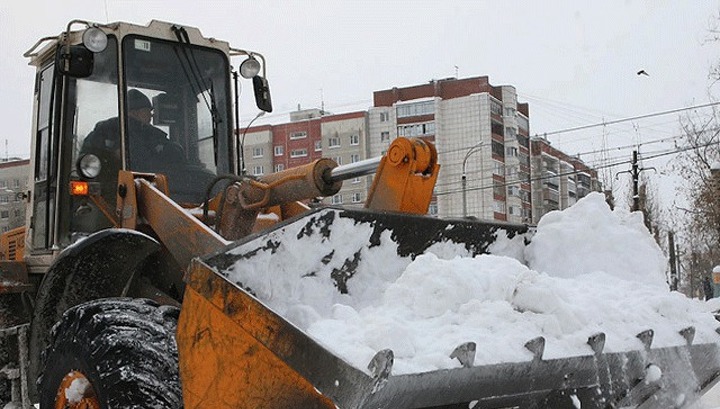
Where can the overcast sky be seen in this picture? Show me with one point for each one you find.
(574, 61)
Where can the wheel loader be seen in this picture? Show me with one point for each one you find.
(119, 296)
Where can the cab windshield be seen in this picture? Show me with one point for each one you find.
(176, 114)
(186, 133)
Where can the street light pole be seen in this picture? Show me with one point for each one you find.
(473, 149)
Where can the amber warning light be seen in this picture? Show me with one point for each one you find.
(78, 188)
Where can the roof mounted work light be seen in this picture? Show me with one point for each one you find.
(250, 67)
(95, 40)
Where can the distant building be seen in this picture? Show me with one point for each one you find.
(477, 127)
(311, 134)
(13, 184)
(558, 180)
(480, 131)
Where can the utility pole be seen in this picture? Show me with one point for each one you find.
(673, 263)
(635, 177)
(635, 172)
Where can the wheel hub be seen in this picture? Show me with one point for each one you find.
(76, 392)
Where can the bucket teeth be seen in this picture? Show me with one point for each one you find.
(381, 364)
(689, 334)
(537, 347)
(646, 337)
(465, 353)
(597, 342)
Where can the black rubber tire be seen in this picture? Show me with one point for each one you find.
(125, 347)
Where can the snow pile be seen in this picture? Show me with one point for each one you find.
(590, 270)
(588, 237)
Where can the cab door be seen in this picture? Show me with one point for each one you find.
(45, 181)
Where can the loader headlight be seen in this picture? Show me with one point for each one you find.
(89, 166)
(95, 39)
(250, 67)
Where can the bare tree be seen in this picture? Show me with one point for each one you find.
(699, 152)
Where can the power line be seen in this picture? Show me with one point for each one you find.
(617, 121)
(539, 178)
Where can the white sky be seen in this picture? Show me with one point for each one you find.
(574, 61)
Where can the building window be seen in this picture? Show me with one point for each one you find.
(499, 206)
(17, 212)
(510, 111)
(257, 152)
(513, 191)
(498, 189)
(514, 211)
(497, 129)
(498, 149)
(4, 214)
(354, 139)
(498, 168)
(279, 150)
(511, 172)
(333, 142)
(523, 123)
(3, 184)
(433, 209)
(338, 160)
(510, 132)
(384, 116)
(384, 136)
(337, 199)
(354, 158)
(523, 140)
(355, 180)
(318, 146)
(4, 199)
(279, 167)
(511, 151)
(524, 159)
(427, 128)
(298, 153)
(356, 197)
(258, 170)
(298, 135)
(416, 109)
(496, 109)
(527, 215)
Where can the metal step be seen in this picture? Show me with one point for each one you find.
(17, 372)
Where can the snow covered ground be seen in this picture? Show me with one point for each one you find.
(587, 270)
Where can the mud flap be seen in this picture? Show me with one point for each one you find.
(99, 266)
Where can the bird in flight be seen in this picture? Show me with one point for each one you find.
(642, 72)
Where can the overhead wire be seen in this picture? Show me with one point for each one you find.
(623, 162)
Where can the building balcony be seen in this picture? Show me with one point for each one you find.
(551, 196)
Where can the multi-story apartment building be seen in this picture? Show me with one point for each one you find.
(13, 184)
(482, 136)
(481, 133)
(310, 135)
(559, 180)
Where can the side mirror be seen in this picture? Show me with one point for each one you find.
(262, 93)
(75, 61)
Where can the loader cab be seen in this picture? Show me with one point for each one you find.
(150, 99)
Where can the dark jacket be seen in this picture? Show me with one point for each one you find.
(146, 143)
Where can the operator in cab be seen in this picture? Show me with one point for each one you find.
(149, 147)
